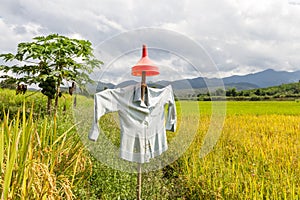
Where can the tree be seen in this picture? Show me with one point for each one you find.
(10, 84)
(257, 92)
(49, 60)
(231, 92)
(220, 92)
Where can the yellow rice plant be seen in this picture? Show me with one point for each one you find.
(257, 157)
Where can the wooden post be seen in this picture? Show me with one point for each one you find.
(139, 167)
(139, 182)
(143, 85)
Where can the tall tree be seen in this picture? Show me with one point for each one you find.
(49, 60)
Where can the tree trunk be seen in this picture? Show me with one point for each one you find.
(57, 96)
(49, 106)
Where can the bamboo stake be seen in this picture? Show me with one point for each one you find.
(139, 167)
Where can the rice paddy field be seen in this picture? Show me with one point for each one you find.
(257, 155)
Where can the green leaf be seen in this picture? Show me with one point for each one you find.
(7, 57)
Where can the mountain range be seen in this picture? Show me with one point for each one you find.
(261, 79)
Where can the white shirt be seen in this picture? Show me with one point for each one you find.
(143, 124)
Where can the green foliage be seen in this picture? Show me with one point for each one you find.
(257, 92)
(289, 91)
(8, 84)
(107, 183)
(284, 91)
(220, 92)
(231, 92)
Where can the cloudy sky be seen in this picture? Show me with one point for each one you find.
(185, 36)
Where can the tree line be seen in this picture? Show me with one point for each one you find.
(284, 91)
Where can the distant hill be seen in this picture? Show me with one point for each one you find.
(241, 86)
(266, 78)
(101, 86)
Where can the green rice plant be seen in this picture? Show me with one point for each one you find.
(12, 102)
(39, 162)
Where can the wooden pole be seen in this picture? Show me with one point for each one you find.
(139, 182)
(143, 85)
(139, 167)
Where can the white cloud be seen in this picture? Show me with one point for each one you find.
(240, 36)
(12, 34)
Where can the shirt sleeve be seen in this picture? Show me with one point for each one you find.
(172, 115)
(104, 102)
